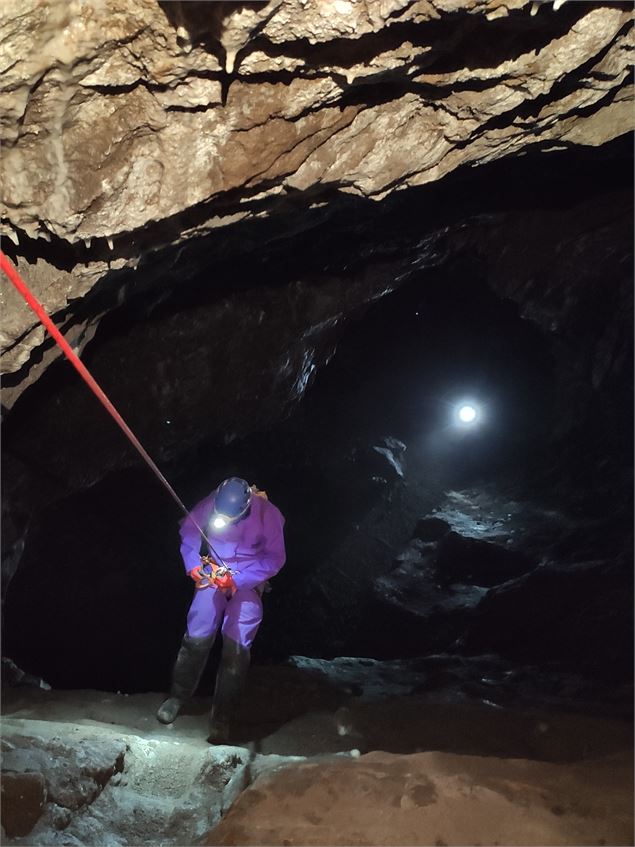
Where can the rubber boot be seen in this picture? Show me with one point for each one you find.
(186, 675)
(230, 683)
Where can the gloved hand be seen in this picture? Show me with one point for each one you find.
(206, 568)
(199, 578)
(224, 581)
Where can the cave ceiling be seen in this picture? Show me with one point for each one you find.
(263, 171)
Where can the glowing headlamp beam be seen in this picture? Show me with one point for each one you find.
(467, 414)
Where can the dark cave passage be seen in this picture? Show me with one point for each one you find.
(101, 573)
(408, 534)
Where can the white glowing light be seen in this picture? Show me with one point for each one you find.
(219, 523)
(467, 414)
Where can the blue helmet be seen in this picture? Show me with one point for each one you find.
(231, 502)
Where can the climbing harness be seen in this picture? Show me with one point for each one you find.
(11, 272)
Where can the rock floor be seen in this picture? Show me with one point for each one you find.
(348, 751)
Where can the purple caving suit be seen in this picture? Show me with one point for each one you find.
(254, 549)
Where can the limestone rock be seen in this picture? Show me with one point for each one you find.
(117, 122)
(469, 560)
(90, 780)
(434, 798)
(23, 799)
(74, 775)
(391, 451)
(431, 529)
(571, 609)
(12, 675)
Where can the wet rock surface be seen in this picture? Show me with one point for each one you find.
(484, 717)
(538, 572)
(486, 679)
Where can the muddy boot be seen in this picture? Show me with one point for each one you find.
(230, 683)
(186, 675)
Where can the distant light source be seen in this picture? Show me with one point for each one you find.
(467, 414)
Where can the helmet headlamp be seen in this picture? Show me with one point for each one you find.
(231, 503)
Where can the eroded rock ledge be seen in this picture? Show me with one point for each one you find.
(126, 129)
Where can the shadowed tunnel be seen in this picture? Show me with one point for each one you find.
(373, 447)
(399, 371)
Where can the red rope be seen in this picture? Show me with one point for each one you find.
(34, 303)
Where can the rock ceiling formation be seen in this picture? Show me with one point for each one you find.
(129, 128)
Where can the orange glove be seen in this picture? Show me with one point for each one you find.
(224, 581)
(195, 573)
(200, 579)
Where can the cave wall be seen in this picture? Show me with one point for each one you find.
(354, 584)
(199, 359)
(207, 196)
(126, 130)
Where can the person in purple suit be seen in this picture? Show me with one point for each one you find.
(246, 533)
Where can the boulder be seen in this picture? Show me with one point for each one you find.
(14, 675)
(581, 614)
(469, 560)
(23, 800)
(431, 529)
(73, 775)
(379, 463)
(435, 798)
